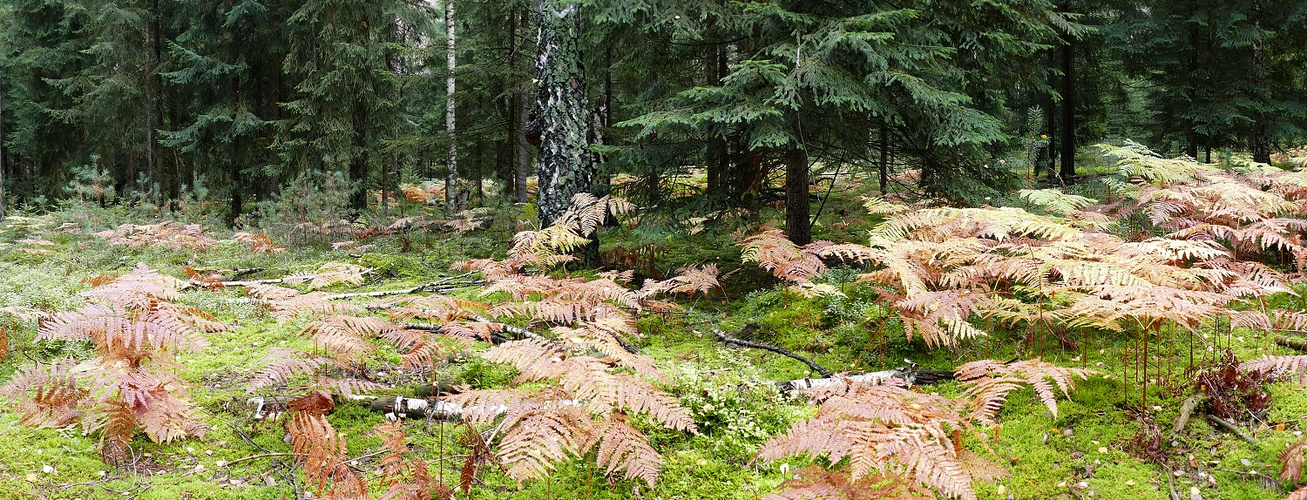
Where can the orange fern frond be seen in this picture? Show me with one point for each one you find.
(689, 280)
(774, 252)
(46, 396)
(282, 364)
(815, 483)
(321, 451)
(258, 242)
(1292, 461)
(539, 435)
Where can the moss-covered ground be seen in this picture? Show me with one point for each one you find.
(1087, 451)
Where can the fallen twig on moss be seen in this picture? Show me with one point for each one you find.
(728, 340)
(1232, 428)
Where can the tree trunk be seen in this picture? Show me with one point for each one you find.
(2, 148)
(451, 156)
(564, 167)
(147, 71)
(603, 115)
(1068, 171)
(358, 164)
(884, 158)
(521, 154)
(1261, 146)
(718, 161)
(797, 226)
(234, 167)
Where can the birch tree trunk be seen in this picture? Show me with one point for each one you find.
(565, 166)
(451, 157)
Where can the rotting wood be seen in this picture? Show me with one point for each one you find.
(1186, 410)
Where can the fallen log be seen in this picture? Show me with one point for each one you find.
(911, 374)
(1299, 344)
(1186, 410)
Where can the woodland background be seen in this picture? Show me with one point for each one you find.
(629, 249)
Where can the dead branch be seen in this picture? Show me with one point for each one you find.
(732, 341)
(1232, 428)
(1185, 411)
(1293, 343)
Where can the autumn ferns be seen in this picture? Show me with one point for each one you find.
(589, 409)
(889, 429)
(1292, 460)
(137, 331)
(596, 386)
(944, 268)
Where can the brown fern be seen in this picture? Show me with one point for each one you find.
(1292, 460)
(890, 429)
(133, 383)
(321, 452)
(1281, 367)
(46, 396)
(815, 483)
(989, 383)
(689, 280)
(258, 242)
(883, 428)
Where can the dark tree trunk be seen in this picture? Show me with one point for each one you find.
(2, 148)
(1068, 143)
(718, 160)
(565, 166)
(521, 154)
(358, 164)
(883, 166)
(1191, 146)
(1261, 146)
(797, 204)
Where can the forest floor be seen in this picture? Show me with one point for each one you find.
(1091, 449)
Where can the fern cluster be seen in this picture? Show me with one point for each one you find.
(941, 268)
(132, 384)
(889, 429)
(170, 235)
(597, 385)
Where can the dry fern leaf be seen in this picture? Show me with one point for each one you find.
(540, 434)
(815, 483)
(484, 406)
(1292, 460)
(622, 448)
(346, 336)
(285, 303)
(46, 396)
(689, 280)
(990, 381)
(258, 242)
(773, 251)
(282, 364)
(883, 428)
(321, 451)
(1281, 367)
